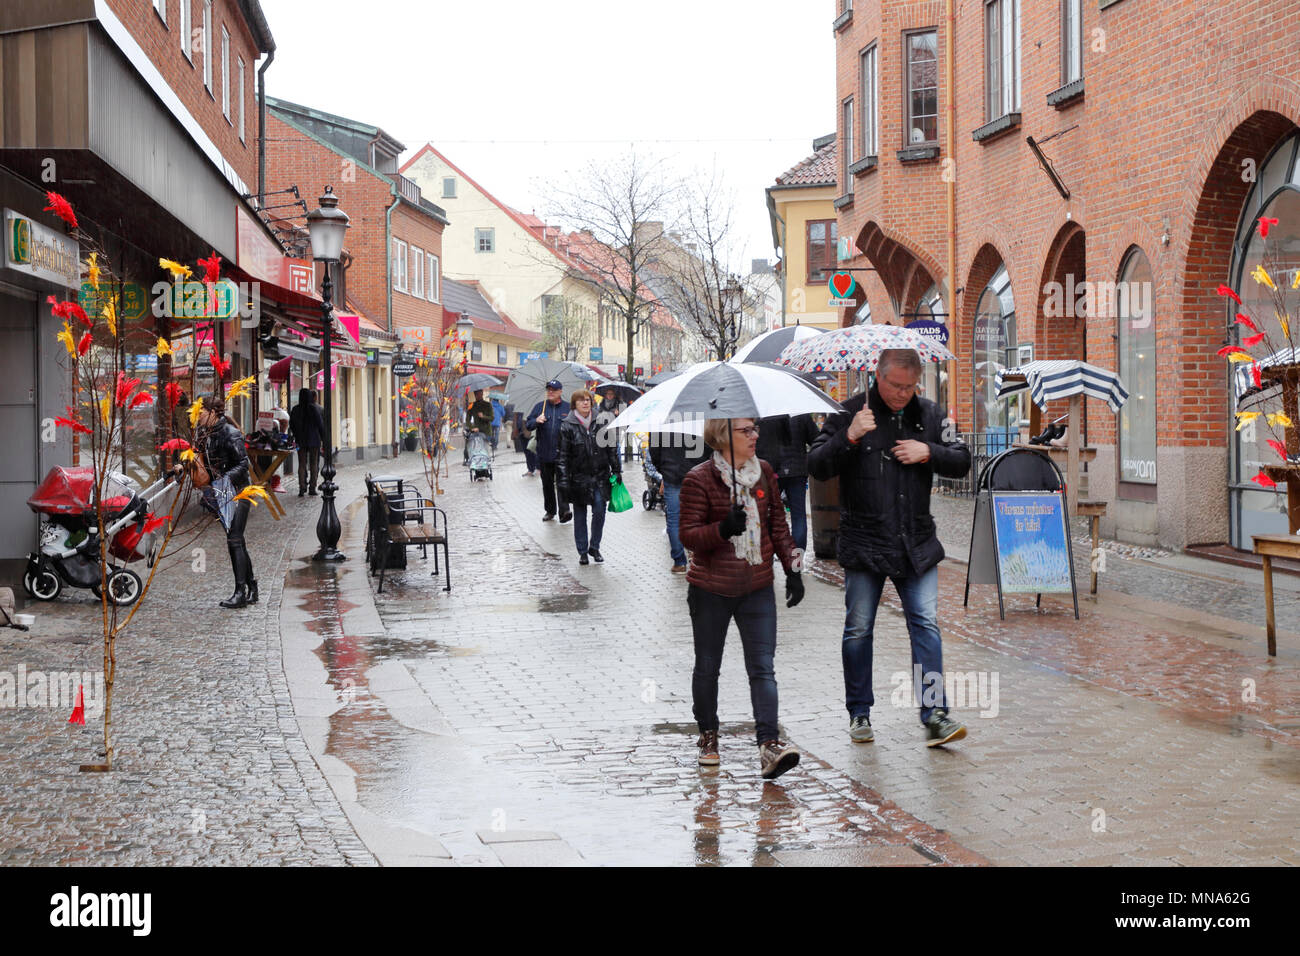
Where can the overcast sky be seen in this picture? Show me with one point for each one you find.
(517, 92)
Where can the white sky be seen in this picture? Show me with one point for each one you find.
(517, 92)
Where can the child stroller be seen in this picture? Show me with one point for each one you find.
(69, 537)
(480, 456)
(650, 498)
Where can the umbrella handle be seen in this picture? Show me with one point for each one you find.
(731, 446)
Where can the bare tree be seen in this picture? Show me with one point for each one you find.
(703, 268)
(620, 212)
(566, 324)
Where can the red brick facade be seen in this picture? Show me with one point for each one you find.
(295, 158)
(1174, 103)
(161, 43)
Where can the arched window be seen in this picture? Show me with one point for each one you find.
(994, 349)
(1135, 308)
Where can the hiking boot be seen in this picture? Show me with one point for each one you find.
(860, 730)
(595, 555)
(940, 729)
(708, 744)
(775, 758)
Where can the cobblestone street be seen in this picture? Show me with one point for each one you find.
(540, 713)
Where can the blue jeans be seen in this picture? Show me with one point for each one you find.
(597, 521)
(796, 495)
(755, 616)
(673, 514)
(920, 597)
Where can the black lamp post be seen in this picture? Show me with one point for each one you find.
(326, 227)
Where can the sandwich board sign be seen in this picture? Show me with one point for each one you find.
(1021, 542)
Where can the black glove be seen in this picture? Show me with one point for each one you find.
(793, 589)
(734, 523)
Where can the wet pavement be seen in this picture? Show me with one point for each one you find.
(539, 714)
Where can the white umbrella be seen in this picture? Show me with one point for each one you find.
(526, 385)
(858, 347)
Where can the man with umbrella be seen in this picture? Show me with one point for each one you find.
(545, 419)
(885, 447)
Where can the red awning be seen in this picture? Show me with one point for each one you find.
(279, 372)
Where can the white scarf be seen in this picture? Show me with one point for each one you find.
(749, 543)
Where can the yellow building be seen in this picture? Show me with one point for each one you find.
(801, 206)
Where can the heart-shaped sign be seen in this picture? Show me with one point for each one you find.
(842, 284)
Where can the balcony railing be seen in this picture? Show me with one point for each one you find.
(409, 190)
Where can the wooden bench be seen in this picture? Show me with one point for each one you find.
(410, 520)
(1093, 511)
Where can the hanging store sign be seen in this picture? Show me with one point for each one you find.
(39, 251)
(930, 329)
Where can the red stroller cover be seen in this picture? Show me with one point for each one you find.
(64, 491)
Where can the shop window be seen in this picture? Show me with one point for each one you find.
(922, 84)
(995, 348)
(1137, 369)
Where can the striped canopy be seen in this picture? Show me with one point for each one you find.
(1048, 381)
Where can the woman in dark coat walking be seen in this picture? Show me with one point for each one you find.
(585, 462)
(733, 523)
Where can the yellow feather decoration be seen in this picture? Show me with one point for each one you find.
(1277, 418)
(1240, 357)
(241, 388)
(187, 455)
(1244, 417)
(195, 411)
(110, 316)
(177, 270)
(92, 268)
(1295, 283)
(106, 411)
(66, 338)
(1281, 319)
(252, 493)
(163, 347)
(1262, 277)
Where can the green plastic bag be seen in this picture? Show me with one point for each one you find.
(619, 497)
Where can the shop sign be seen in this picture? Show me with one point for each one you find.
(404, 368)
(930, 329)
(595, 354)
(132, 306)
(416, 336)
(39, 251)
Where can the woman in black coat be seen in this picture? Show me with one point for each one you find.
(587, 457)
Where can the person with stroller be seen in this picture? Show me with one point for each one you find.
(308, 428)
(220, 443)
(584, 464)
(733, 522)
(478, 418)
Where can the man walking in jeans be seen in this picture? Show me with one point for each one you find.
(886, 447)
(545, 420)
(670, 460)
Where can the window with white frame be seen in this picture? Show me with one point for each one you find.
(240, 90)
(849, 142)
(870, 112)
(922, 105)
(225, 73)
(1071, 41)
(1001, 57)
(417, 271)
(183, 26)
(399, 265)
(161, 7)
(207, 44)
(485, 240)
(433, 278)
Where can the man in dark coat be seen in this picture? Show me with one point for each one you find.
(783, 443)
(308, 427)
(545, 419)
(886, 447)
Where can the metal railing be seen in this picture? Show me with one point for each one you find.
(983, 446)
(407, 188)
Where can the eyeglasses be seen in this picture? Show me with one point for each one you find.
(749, 432)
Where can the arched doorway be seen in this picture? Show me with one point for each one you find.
(995, 345)
(1276, 194)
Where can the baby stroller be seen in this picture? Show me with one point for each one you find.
(69, 535)
(480, 456)
(650, 498)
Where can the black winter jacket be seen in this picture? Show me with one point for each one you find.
(226, 454)
(548, 433)
(587, 457)
(885, 520)
(783, 443)
(672, 460)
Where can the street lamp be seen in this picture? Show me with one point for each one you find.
(326, 227)
(731, 304)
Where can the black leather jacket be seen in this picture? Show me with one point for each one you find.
(783, 443)
(224, 451)
(885, 521)
(586, 459)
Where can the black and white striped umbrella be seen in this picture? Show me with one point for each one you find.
(769, 346)
(1049, 380)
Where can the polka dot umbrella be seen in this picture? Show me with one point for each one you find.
(858, 347)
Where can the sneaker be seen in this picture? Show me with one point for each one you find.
(595, 555)
(708, 744)
(583, 559)
(775, 758)
(549, 516)
(940, 729)
(860, 730)
(681, 568)
(566, 517)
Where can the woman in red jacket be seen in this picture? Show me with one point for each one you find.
(732, 521)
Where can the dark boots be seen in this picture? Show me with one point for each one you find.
(243, 567)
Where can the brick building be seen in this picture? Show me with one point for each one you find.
(1163, 134)
(392, 274)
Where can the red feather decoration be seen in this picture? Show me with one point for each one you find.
(219, 366)
(1245, 320)
(174, 394)
(84, 345)
(1228, 348)
(125, 386)
(61, 208)
(1224, 290)
(1264, 223)
(175, 444)
(1255, 374)
(143, 398)
(1264, 481)
(69, 310)
(153, 523)
(79, 709)
(1278, 447)
(72, 423)
(211, 267)
(1253, 340)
